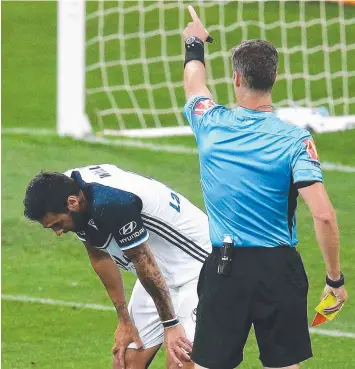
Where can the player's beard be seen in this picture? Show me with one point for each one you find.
(79, 220)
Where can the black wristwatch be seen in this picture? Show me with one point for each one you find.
(193, 40)
(335, 284)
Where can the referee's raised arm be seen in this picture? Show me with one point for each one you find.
(195, 35)
(199, 101)
(253, 167)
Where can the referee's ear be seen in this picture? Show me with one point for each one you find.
(237, 78)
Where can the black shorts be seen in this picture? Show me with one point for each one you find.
(267, 288)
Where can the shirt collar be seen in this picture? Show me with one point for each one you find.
(85, 187)
(247, 111)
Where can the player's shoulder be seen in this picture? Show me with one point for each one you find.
(106, 199)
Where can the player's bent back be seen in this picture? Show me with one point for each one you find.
(143, 208)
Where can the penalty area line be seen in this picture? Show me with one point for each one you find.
(79, 305)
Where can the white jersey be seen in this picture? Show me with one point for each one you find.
(126, 209)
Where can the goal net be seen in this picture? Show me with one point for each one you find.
(134, 58)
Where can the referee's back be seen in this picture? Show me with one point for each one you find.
(251, 165)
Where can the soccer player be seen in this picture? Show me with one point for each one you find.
(142, 226)
(253, 166)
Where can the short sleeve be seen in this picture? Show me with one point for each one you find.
(305, 162)
(198, 108)
(121, 216)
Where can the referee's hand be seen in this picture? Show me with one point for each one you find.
(340, 294)
(195, 28)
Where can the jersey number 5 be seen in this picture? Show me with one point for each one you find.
(175, 204)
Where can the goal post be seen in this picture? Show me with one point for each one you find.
(71, 116)
(120, 63)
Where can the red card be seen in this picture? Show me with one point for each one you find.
(318, 319)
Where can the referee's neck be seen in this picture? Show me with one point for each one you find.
(254, 100)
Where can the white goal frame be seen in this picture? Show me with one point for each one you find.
(71, 117)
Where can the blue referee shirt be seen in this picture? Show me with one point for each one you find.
(251, 165)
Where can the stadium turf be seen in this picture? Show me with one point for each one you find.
(35, 263)
(38, 264)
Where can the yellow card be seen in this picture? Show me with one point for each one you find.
(328, 300)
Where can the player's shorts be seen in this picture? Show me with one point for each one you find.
(267, 288)
(146, 318)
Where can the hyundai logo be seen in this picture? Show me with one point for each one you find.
(128, 228)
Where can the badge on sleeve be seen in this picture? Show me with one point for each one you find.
(311, 149)
(203, 105)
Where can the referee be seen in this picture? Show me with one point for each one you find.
(253, 166)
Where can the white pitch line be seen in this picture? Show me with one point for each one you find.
(79, 305)
(173, 149)
(331, 333)
(29, 131)
(43, 301)
(337, 167)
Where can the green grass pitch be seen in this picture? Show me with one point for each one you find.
(38, 264)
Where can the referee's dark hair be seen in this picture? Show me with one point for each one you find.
(256, 61)
(48, 192)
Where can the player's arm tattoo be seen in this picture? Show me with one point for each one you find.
(152, 279)
(122, 310)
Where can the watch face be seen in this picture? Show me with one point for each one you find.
(190, 40)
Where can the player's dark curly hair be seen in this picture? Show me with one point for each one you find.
(48, 192)
(256, 61)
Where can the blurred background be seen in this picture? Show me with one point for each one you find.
(124, 75)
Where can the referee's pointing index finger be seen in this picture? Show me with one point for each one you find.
(193, 14)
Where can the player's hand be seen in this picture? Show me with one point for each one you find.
(177, 345)
(339, 293)
(195, 28)
(125, 334)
